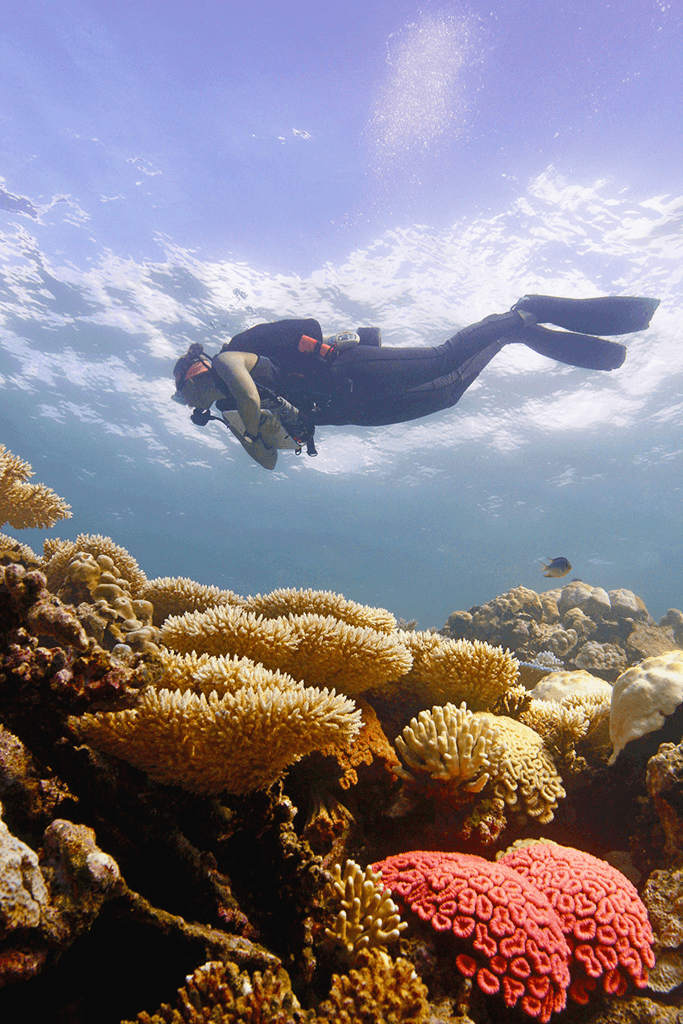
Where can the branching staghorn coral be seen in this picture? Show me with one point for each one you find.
(23, 505)
(369, 917)
(175, 595)
(309, 647)
(452, 745)
(239, 743)
(450, 671)
(289, 601)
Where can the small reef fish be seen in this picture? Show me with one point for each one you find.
(557, 567)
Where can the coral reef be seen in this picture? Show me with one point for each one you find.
(185, 797)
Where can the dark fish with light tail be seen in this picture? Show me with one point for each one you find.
(557, 567)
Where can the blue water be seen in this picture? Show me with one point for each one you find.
(169, 175)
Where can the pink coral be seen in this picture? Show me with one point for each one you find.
(507, 933)
(602, 916)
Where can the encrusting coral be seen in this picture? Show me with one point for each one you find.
(452, 746)
(24, 505)
(368, 916)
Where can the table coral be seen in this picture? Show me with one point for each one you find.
(239, 742)
(320, 650)
(289, 601)
(643, 696)
(368, 916)
(25, 505)
(601, 913)
(452, 746)
(506, 934)
(175, 595)
(450, 671)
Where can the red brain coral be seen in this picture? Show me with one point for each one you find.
(510, 937)
(603, 917)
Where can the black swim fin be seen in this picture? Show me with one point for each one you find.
(574, 349)
(610, 314)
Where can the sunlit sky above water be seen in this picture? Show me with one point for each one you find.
(173, 172)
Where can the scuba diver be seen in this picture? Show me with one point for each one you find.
(274, 383)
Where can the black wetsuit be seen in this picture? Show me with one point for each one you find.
(367, 385)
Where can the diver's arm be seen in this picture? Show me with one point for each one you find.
(234, 368)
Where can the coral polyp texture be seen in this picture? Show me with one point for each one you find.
(601, 913)
(379, 990)
(450, 745)
(238, 743)
(368, 916)
(505, 934)
(24, 505)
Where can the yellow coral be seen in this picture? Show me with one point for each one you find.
(310, 647)
(175, 595)
(239, 742)
(450, 671)
(12, 550)
(378, 991)
(220, 993)
(205, 673)
(525, 770)
(289, 601)
(452, 745)
(368, 916)
(59, 554)
(580, 718)
(25, 505)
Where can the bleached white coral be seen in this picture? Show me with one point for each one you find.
(369, 917)
(452, 745)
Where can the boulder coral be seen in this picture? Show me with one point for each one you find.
(643, 696)
(505, 933)
(602, 916)
(583, 625)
